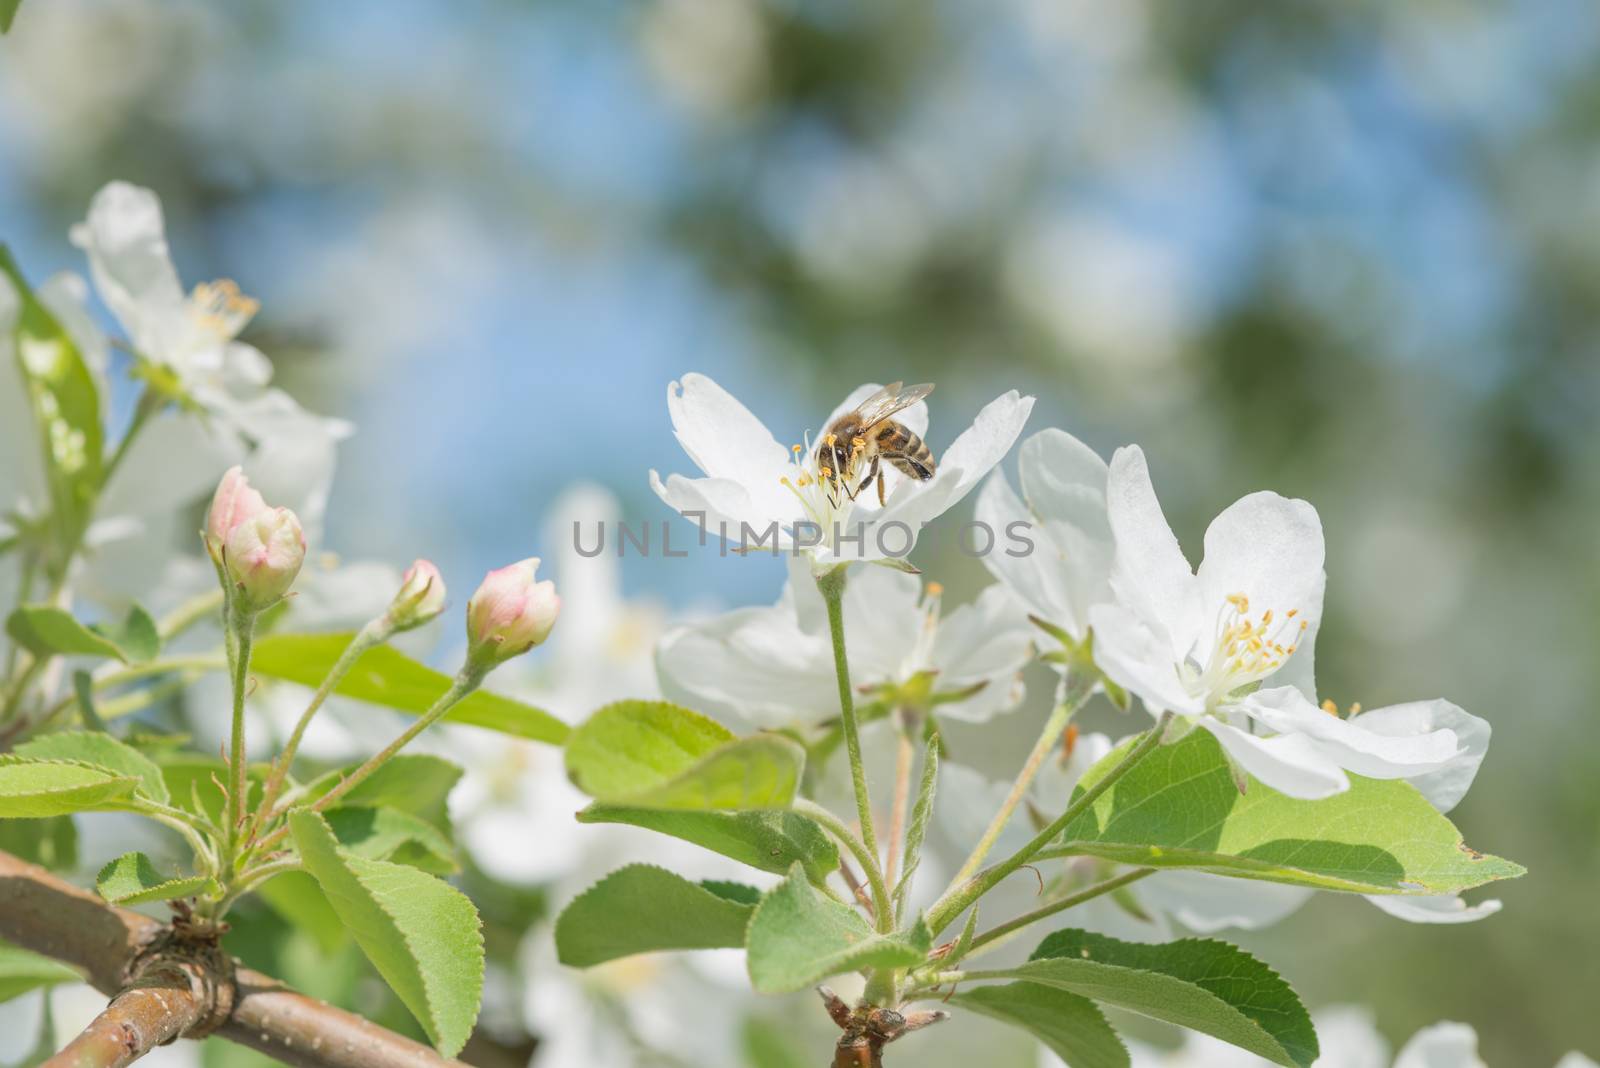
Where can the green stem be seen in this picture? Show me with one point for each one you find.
(1089, 893)
(373, 634)
(956, 899)
(831, 586)
(189, 613)
(882, 905)
(150, 402)
(242, 625)
(1080, 685)
(469, 678)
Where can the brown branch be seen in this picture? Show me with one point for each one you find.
(136, 1022)
(125, 955)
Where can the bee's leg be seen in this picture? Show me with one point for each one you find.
(881, 501)
(872, 473)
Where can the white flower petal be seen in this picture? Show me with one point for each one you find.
(1433, 908)
(1270, 549)
(1206, 903)
(727, 442)
(1064, 482)
(1291, 764)
(753, 666)
(1576, 1060)
(1150, 574)
(1348, 742)
(1140, 660)
(1444, 1045)
(969, 800)
(126, 242)
(1349, 1038)
(718, 507)
(1447, 785)
(1036, 577)
(970, 457)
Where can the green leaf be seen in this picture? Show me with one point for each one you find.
(102, 750)
(295, 896)
(1200, 984)
(51, 843)
(66, 408)
(1071, 1026)
(652, 754)
(384, 834)
(35, 789)
(8, 12)
(421, 934)
(46, 630)
(132, 879)
(411, 782)
(386, 677)
(771, 841)
(642, 909)
(1179, 808)
(800, 936)
(22, 970)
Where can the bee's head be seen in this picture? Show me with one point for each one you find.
(835, 456)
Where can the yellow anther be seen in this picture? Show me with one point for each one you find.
(833, 439)
(935, 589)
(1240, 602)
(1293, 612)
(1266, 617)
(827, 472)
(1355, 709)
(1330, 708)
(797, 449)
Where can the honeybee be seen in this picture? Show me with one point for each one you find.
(869, 434)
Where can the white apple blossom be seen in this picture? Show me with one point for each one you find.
(1229, 647)
(772, 666)
(1063, 507)
(193, 335)
(757, 494)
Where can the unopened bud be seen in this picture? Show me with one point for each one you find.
(234, 502)
(511, 613)
(420, 599)
(263, 555)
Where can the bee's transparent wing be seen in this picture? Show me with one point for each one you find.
(887, 401)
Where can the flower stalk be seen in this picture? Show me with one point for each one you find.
(962, 894)
(831, 585)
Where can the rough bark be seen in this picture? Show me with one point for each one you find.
(161, 991)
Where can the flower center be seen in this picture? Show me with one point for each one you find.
(1246, 649)
(220, 310)
(823, 491)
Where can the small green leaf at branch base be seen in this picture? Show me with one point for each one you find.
(22, 970)
(132, 879)
(45, 630)
(421, 934)
(800, 936)
(771, 841)
(653, 754)
(1201, 984)
(1380, 836)
(642, 909)
(101, 750)
(37, 789)
(386, 677)
(1071, 1026)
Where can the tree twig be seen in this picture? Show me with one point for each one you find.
(41, 912)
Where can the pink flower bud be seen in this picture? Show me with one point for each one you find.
(234, 502)
(511, 613)
(421, 596)
(263, 555)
